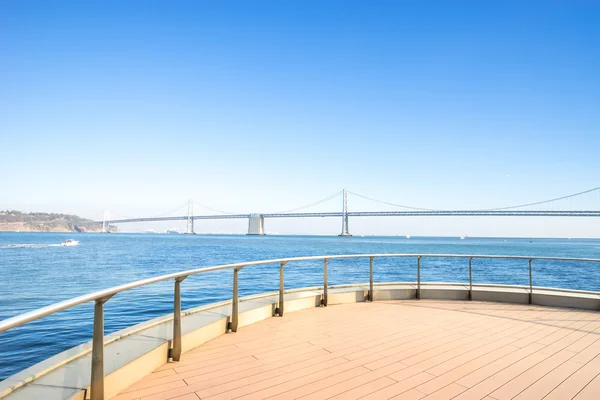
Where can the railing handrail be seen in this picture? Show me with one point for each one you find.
(22, 319)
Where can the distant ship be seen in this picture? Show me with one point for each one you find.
(173, 232)
(407, 236)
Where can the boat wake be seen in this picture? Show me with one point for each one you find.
(38, 245)
(28, 246)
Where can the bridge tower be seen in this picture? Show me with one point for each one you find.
(104, 225)
(345, 215)
(256, 224)
(190, 218)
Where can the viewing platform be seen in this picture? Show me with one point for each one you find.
(393, 349)
(377, 340)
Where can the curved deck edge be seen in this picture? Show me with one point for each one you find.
(135, 352)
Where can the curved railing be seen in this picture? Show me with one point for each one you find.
(102, 296)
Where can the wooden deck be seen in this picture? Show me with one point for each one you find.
(394, 349)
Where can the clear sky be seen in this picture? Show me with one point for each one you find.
(265, 106)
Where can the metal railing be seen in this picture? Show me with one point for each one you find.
(102, 296)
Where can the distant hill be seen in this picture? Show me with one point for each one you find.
(16, 221)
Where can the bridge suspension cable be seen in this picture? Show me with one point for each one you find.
(323, 200)
(392, 204)
(485, 209)
(213, 209)
(179, 207)
(545, 201)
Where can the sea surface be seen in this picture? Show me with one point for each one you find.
(35, 271)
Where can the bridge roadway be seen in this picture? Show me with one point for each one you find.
(459, 213)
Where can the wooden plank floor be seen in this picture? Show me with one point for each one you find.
(394, 349)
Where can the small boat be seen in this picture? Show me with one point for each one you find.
(69, 243)
(463, 237)
(407, 236)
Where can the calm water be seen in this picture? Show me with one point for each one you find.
(39, 274)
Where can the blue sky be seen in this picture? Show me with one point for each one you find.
(262, 106)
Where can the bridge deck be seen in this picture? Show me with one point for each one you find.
(394, 349)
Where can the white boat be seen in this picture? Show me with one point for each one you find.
(463, 237)
(70, 243)
(407, 236)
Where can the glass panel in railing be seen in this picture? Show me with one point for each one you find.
(35, 341)
(394, 269)
(575, 275)
(299, 274)
(501, 271)
(444, 269)
(348, 271)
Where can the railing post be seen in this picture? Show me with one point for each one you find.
(175, 352)
(324, 299)
(97, 381)
(470, 278)
(419, 278)
(530, 283)
(371, 279)
(234, 302)
(281, 288)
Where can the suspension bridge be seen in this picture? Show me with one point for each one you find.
(256, 221)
